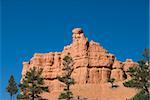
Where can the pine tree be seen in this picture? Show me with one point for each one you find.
(12, 87)
(32, 85)
(146, 54)
(66, 78)
(140, 76)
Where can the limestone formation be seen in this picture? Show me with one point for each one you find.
(92, 63)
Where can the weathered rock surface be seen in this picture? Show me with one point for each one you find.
(92, 63)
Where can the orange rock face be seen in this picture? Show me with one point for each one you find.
(92, 65)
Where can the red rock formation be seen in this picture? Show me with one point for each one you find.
(92, 63)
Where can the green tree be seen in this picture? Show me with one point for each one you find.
(32, 85)
(146, 54)
(140, 76)
(142, 95)
(66, 78)
(12, 87)
(111, 80)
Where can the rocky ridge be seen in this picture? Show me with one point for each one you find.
(92, 63)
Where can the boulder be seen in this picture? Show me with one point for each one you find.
(118, 74)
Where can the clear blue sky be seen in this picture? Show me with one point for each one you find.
(29, 26)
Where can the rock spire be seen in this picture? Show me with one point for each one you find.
(92, 63)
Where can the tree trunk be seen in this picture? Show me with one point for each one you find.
(146, 90)
(32, 96)
(10, 96)
(68, 87)
(112, 85)
(68, 95)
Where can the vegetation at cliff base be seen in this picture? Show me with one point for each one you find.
(112, 80)
(142, 95)
(66, 78)
(141, 77)
(32, 85)
(12, 87)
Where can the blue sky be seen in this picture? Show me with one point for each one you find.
(29, 26)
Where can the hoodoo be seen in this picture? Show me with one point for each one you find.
(93, 66)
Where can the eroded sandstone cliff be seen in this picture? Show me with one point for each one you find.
(92, 64)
